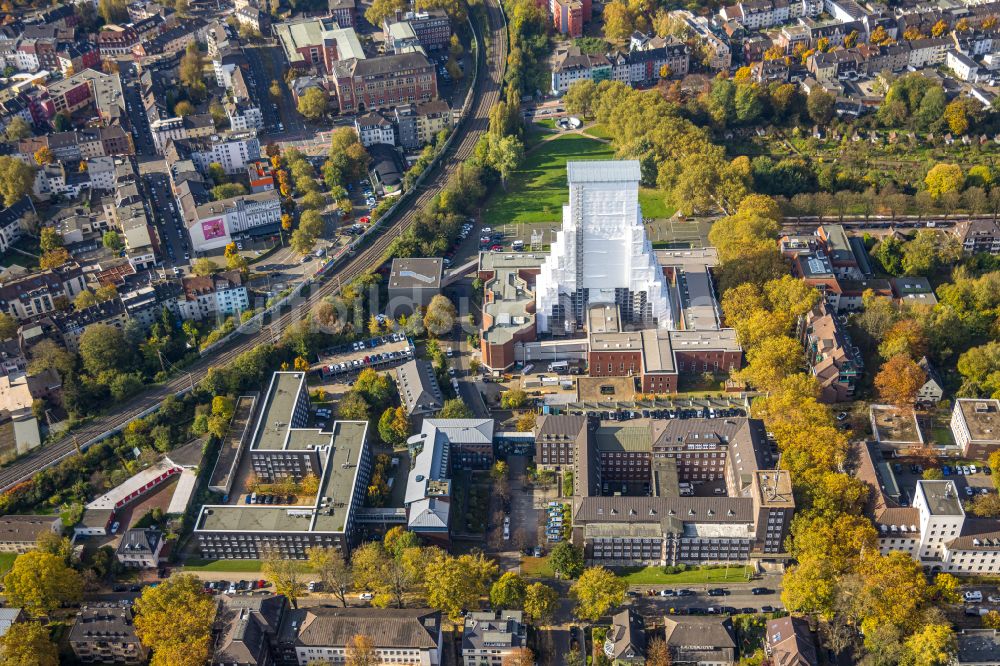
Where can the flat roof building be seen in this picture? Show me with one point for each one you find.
(284, 448)
(413, 282)
(975, 424)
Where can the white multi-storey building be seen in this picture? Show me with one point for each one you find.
(975, 425)
(936, 532)
(601, 254)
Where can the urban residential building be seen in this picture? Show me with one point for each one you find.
(140, 548)
(489, 637)
(19, 533)
(105, 634)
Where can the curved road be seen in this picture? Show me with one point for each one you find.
(487, 92)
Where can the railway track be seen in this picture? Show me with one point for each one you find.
(489, 82)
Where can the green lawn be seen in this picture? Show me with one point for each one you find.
(537, 567)
(655, 575)
(234, 566)
(537, 191)
(6, 562)
(654, 205)
(549, 123)
(598, 131)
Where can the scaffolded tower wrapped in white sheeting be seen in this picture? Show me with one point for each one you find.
(601, 254)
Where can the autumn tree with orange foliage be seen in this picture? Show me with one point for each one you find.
(899, 380)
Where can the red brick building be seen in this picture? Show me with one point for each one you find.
(384, 82)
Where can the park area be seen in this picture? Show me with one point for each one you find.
(537, 191)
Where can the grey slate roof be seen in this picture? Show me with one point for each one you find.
(414, 628)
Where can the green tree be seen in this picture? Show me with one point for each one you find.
(540, 603)
(508, 592)
(353, 407)
(274, 90)
(50, 239)
(313, 103)
(112, 241)
(394, 426)
(375, 387)
(820, 106)
(174, 620)
(204, 266)
(596, 591)
(103, 347)
(286, 575)
(8, 326)
(440, 316)
(18, 129)
(513, 399)
(184, 108)
(41, 582)
(567, 560)
(191, 71)
(228, 191)
(579, 98)
(28, 644)
(505, 154)
(455, 409)
(217, 173)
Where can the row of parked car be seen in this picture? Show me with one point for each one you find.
(373, 359)
(254, 498)
(554, 522)
(227, 587)
(965, 470)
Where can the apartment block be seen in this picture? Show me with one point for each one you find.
(105, 634)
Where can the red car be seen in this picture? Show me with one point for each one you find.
(364, 219)
(496, 248)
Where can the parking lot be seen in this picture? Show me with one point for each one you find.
(907, 471)
(378, 353)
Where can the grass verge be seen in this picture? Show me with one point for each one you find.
(6, 562)
(655, 575)
(223, 566)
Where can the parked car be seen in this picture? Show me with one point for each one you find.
(717, 592)
(973, 596)
(366, 596)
